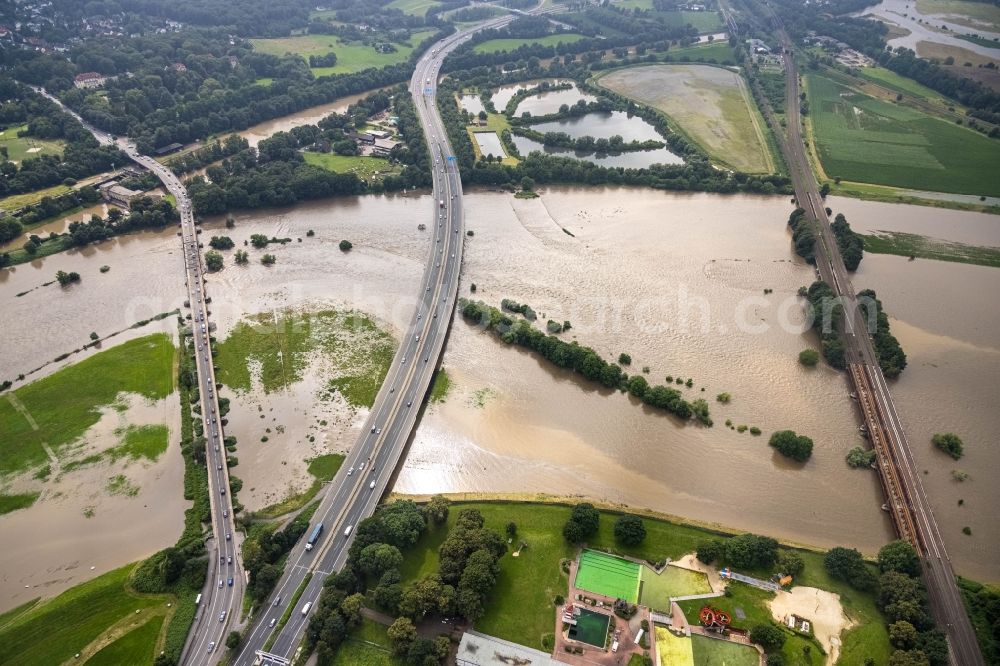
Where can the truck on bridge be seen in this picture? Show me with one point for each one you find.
(314, 536)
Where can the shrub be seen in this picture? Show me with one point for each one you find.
(809, 357)
(751, 551)
(724, 398)
(624, 359)
(948, 442)
(858, 457)
(768, 636)
(790, 445)
(710, 551)
(755, 431)
(345, 245)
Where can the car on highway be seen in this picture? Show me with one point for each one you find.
(230, 581)
(273, 621)
(228, 537)
(222, 616)
(350, 471)
(220, 583)
(211, 646)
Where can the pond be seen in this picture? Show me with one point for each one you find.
(471, 103)
(632, 160)
(549, 102)
(606, 125)
(489, 144)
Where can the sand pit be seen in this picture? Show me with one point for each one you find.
(821, 608)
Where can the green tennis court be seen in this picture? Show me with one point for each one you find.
(608, 575)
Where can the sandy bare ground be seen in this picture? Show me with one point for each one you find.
(821, 608)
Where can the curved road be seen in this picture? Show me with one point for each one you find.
(359, 485)
(222, 596)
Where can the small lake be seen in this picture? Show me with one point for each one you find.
(504, 93)
(632, 160)
(603, 125)
(471, 103)
(489, 144)
(549, 102)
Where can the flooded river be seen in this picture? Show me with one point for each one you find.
(676, 280)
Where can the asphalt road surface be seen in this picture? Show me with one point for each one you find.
(358, 486)
(222, 596)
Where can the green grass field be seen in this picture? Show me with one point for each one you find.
(359, 351)
(894, 81)
(520, 608)
(703, 22)
(440, 387)
(22, 148)
(16, 201)
(413, 7)
(52, 631)
(367, 168)
(350, 57)
(672, 582)
(136, 648)
(367, 646)
(712, 652)
(9, 503)
(58, 409)
(147, 441)
(860, 138)
(924, 247)
(608, 575)
(510, 44)
(711, 105)
(719, 52)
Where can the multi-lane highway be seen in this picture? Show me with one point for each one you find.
(222, 596)
(365, 474)
(913, 515)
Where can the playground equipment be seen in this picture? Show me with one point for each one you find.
(714, 619)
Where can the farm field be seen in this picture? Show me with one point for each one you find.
(350, 57)
(365, 167)
(16, 201)
(59, 408)
(719, 52)
(709, 104)
(862, 139)
(890, 79)
(942, 52)
(982, 15)
(51, 632)
(414, 7)
(511, 44)
(22, 148)
(703, 22)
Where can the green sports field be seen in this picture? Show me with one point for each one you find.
(608, 575)
(862, 139)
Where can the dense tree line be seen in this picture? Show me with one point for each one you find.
(791, 445)
(81, 157)
(900, 595)
(803, 235)
(158, 105)
(263, 551)
(581, 360)
(891, 357)
(247, 17)
(588, 144)
(213, 152)
(826, 313)
(373, 563)
(983, 603)
(850, 244)
(145, 213)
(744, 551)
(276, 173)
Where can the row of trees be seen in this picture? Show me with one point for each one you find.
(588, 144)
(263, 551)
(584, 522)
(581, 360)
(850, 243)
(900, 595)
(889, 352)
(209, 154)
(826, 314)
(803, 235)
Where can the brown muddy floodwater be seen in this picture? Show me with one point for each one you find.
(310, 116)
(676, 280)
(80, 527)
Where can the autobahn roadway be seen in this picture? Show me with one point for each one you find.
(222, 596)
(364, 477)
(946, 604)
